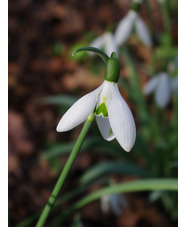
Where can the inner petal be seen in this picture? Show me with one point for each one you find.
(104, 99)
(104, 128)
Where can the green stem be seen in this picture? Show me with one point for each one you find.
(153, 35)
(65, 172)
(166, 18)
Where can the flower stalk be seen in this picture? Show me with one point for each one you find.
(65, 171)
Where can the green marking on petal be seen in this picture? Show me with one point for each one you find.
(110, 132)
(102, 109)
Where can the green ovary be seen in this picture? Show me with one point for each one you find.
(102, 109)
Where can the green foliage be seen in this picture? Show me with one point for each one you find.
(81, 56)
(60, 100)
(110, 167)
(155, 151)
(58, 49)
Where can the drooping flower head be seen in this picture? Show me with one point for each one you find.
(130, 21)
(113, 116)
(163, 86)
(110, 42)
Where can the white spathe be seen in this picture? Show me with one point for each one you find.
(120, 122)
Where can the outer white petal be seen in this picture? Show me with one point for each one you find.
(121, 120)
(79, 111)
(98, 42)
(163, 90)
(142, 31)
(118, 203)
(124, 28)
(104, 128)
(110, 44)
(151, 85)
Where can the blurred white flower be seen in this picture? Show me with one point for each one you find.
(115, 203)
(111, 42)
(107, 42)
(163, 86)
(113, 116)
(125, 26)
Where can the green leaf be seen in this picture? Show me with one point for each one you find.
(63, 100)
(94, 143)
(97, 51)
(77, 221)
(133, 186)
(58, 149)
(105, 168)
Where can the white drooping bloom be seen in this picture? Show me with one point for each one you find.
(113, 116)
(163, 86)
(111, 42)
(125, 26)
(114, 202)
(107, 42)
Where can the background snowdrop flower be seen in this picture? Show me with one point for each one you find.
(125, 26)
(113, 116)
(115, 203)
(162, 85)
(107, 42)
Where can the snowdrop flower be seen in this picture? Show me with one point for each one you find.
(163, 86)
(113, 116)
(114, 202)
(107, 42)
(130, 21)
(111, 42)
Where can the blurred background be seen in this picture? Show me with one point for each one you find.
(45, 80)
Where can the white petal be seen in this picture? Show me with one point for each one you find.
(151, 85)
(105, 94)
(117, 203)
(163, 90)
(142, 31)
(104, 128)
(110, 45)
(107, 42)
(105, 203)
(79, 111)
(124, 28)
(98, 42)
(121, 120)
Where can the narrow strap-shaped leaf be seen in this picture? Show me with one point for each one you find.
(105, 168)
(97, 51)
(133, 186)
